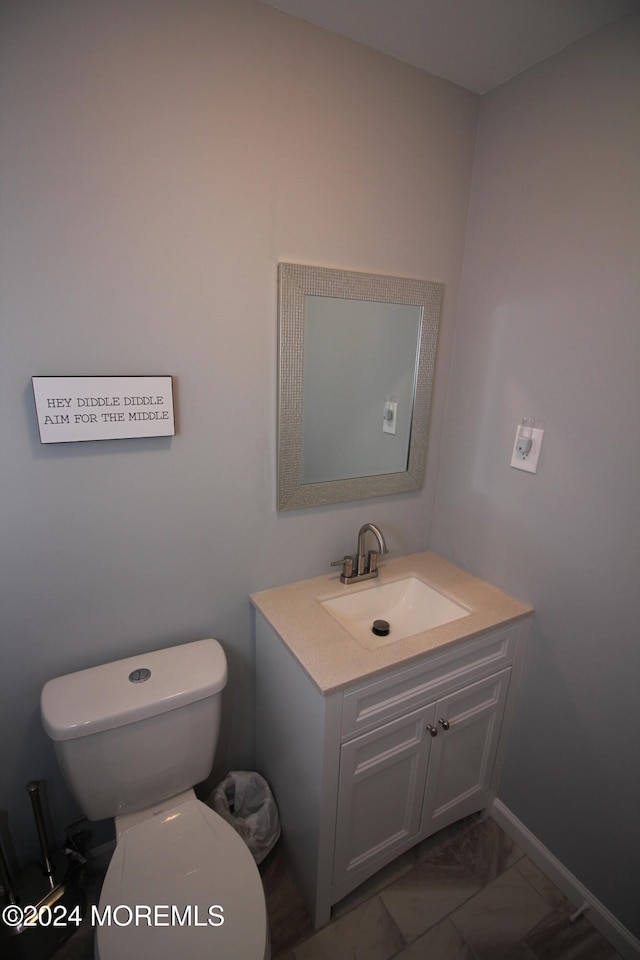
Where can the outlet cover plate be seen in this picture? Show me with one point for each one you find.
(530, 462)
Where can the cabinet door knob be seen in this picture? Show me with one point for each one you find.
(432, 730)
(444, 723)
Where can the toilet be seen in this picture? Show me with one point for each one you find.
(132, 738)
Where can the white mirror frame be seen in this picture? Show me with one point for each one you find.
(295, 282)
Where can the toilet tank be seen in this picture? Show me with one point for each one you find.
(134, 732)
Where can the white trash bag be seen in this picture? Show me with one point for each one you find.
(244, 800)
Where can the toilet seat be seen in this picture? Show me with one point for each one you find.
(182, 883)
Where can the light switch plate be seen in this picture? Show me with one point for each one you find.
(390, 426)
(530, 462)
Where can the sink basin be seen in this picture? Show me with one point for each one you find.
(409, 606)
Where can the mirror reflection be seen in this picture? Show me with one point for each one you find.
(358, 384)
(356, 363)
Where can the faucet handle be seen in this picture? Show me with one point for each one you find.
(372, 562)
(347, 566)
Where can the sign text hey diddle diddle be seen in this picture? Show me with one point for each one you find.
(102, 408)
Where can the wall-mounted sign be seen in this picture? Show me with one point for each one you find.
(103, 408)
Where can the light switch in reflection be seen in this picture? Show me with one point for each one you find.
(389, 416)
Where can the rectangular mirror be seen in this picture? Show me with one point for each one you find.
(356, 363)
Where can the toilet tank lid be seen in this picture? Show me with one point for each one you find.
(124, 691)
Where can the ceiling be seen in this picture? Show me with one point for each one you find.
(477, 44)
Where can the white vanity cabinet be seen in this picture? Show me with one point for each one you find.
(364, 772)
(380, 796)
(411, 777)
(469, 724)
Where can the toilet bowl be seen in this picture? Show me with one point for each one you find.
(209, 904)
(132, 738)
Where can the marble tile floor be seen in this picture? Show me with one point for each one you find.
(469, 893)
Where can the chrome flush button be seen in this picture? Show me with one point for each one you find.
(140, 675)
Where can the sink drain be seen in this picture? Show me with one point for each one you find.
(381, 628)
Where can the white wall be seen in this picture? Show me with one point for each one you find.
(548, 327)
(158, 160)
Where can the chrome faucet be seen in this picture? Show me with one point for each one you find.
(362, 567)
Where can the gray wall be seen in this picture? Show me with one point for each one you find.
(548, 326)
(158, 160)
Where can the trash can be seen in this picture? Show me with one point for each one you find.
(244, 800)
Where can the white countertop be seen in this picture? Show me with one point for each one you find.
(334, 659)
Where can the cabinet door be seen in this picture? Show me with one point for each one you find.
(464, 751)
(382, 780)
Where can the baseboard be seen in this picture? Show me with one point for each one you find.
(602, 919)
